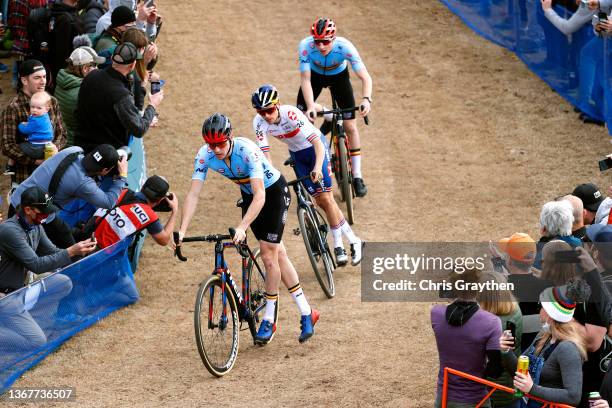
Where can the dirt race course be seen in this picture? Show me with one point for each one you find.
(465, 144)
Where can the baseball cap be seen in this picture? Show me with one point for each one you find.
(36, 197)
(122, 15)
(28, 67)
(102, 157)
(590, 195)
(125, 54)
(599, 232)
(84, 56)
(520, 247)
(155, 187)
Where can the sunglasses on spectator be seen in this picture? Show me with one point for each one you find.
(323, 42)
(47, 201)
(215, 145)
(268, 111)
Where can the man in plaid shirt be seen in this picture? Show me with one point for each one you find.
(32, 79)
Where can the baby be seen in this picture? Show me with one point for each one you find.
(38, 130)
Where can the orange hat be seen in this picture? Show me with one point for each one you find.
(519, 247)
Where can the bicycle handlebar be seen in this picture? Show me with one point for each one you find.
(243, 249)
(338, 112)
(299, 180)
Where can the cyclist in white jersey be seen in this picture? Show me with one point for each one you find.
(324, 60)
(266, 199)
(307, 147)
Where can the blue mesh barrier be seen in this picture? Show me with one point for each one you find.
(577, 66)
(37, 319)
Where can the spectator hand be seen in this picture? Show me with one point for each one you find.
(172, 201)
(605, 26)
(173, 244)
(155, 99)
(586, 260)
(601, 403)
(546, 4)
(143, 12)
(150, 53)
(523, 382)
(82, 248)
(154, 122)
(122, 166)
(506, 341)
(152, 18)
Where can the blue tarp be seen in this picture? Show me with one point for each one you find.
(37, 319)
(577, 66)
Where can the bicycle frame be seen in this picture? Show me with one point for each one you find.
(227, 281)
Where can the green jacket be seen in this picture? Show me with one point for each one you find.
(67, 93)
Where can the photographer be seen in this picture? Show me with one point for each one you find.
(134, 212)
(74, 175)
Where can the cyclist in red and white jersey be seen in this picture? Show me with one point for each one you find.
(324, 62)
(307, 147)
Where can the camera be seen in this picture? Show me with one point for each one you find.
(605, 164)
(124, 151)
(164, 205)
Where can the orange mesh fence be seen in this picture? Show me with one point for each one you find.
(494, 387)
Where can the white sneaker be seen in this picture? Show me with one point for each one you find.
(356, 252)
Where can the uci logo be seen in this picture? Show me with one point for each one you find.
(97, 156)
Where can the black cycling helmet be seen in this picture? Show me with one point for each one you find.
(264, 97)
(216, 129)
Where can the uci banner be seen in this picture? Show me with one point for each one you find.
(38, 318)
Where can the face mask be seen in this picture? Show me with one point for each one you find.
(40, 218)
(546, 327)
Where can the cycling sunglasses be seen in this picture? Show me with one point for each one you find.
(323, 42)
(268, 111)
(215, 145)
(46, 203)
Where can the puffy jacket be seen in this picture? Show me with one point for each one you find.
(67, 94)
(91, 14)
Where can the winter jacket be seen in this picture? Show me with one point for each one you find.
(67, 94)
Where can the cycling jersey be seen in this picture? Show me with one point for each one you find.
(333, 63)
(294, 129)
(246, 162)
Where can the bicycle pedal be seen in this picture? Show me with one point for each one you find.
(296, 231)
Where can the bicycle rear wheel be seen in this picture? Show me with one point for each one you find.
(217, 336)
(344, 183)
(318, 252)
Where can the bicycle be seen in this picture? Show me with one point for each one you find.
(340, 161)
(214, 324)
(314, 230)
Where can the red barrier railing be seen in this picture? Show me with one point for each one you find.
(494, 387)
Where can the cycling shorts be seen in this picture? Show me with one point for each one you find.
(304, 163)
(270, 223)
(340, 87)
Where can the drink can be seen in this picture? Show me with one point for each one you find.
(593, 396)
(522, 365)
(49, 151)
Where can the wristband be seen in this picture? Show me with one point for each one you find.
(123, 175)
(368, 98)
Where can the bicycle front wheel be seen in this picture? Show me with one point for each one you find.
(317, 253)
(344, 181)
(217, 333)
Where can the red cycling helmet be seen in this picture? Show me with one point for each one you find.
(216, 129)
(323, 28)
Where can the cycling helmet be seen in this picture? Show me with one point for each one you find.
(216, 129)
(264, 97)
(323, 28)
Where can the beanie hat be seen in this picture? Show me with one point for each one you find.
(122, 15)
(557, 304)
